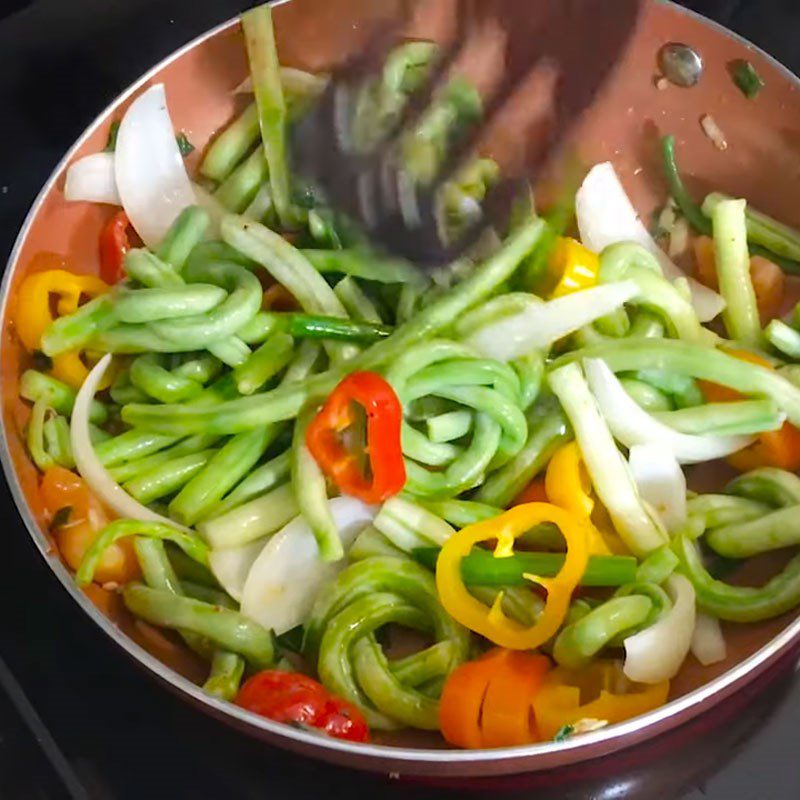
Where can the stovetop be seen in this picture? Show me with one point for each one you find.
(77, 718)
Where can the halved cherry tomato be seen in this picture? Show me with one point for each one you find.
(114, 244)
(534, 492)
(297, 699)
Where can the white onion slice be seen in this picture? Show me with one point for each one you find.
(92, 471)
(542, 324)
(151, 176)
(288, 574)
(661, 482)
(708, 643)
(606, 216)
(657, 653)
(92, 179)
(632, 425)
(232, 566)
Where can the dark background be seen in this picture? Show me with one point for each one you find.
(104, 723)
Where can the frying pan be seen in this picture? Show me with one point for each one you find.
(761, 163)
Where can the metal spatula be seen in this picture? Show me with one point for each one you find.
(577, 42)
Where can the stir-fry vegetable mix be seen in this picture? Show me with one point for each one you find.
(287, 448)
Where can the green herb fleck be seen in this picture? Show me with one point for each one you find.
(564, 733)
(61, 517)
(184, 145)
(113, 132)
(746, 77)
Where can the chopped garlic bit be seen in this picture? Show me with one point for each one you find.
(714, 132)
(662, 83)
(588, 725)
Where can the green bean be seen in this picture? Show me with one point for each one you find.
(775, 487)
(578, 643)
(188, 230)
(647, 396)
(419, 668)
(227, 629)
(364, 265)
(311, 493)
(187, 569)
(481, 568)
(167, 478)
(697, 362)
(202, 368)
(740, 314)
(726, 419)
(231, 146)
(131, 469)
(688, 207)
(366, 596)
(449, 426)
(57, 441)
(461, 513)
(226, 674)
(241, 186)
(191, 544)
(261, 206)
(682, 390)
(231, 351)
(259, 481)
(131, 445)
(266, 362)
(35, 385)
(355, 301)
(35, 435)
(712, 511)
(661, 604)
(739, 540)
(530, 370)
(657, 567)
(74, 331)
(548, 431)
(286, 401)
(409, 526)
(148, 374)
(224, 470)
(265, 70)
(307, 326)
(371, 543)
(209, 594)
(171, 302)
(149, 270)
(253, 520)
(517, 602)
(739, 603)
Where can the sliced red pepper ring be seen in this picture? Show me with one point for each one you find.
(114, 244)
(386, 475)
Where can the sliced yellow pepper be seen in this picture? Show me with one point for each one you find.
(573, 267)
(492, 623)
(567, 485)
(33, 314)
(592, 692)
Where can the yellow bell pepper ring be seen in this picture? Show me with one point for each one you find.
(561, 700)
(573, 267)
(33, 314)
(567, 485)
(492, 623)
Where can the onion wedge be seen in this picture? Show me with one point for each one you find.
(92, 179)
(232, 566)
(288, 574)
(151, 177)
(708, 644)
(632, 425)
(657, 653)
(606, 216)
(661, 482)
(107, 490)
(542, 324)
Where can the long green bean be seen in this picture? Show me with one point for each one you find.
(35, 385)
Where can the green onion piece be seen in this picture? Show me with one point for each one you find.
(746, 77)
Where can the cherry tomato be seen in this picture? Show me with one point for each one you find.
(300, 700)
(114, 244)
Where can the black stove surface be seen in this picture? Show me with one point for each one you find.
(77, 718)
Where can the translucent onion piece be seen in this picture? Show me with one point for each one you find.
(93, 472)
(632, 425)
(92, 179)
(708, 644)
(151, 176)
(661, 482)
(657, 653)
(606, 216)
(288, 574)
(543, 324)
(232, 566)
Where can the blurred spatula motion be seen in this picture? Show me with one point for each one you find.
(355, 143)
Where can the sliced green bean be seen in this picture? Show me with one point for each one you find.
(188, 230)
(231, 146)
(726, 419)
(259, 481)
(226, 674)
(241, 186)
(35, 385)
(167, 478)
(271, 358)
